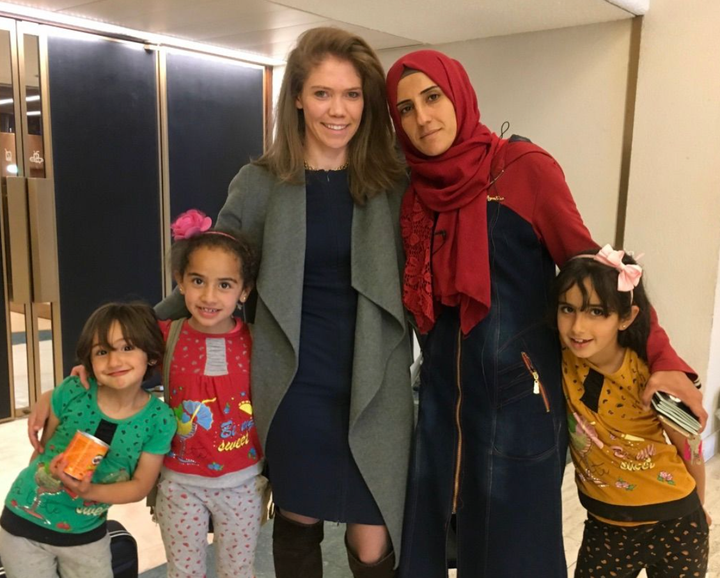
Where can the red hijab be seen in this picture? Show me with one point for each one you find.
(444, 209)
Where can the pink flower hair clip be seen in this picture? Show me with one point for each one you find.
(190, 224)
(193, 223)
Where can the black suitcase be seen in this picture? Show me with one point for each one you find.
(124, 551)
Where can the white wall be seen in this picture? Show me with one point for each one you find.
(566, 91)
(674, 196)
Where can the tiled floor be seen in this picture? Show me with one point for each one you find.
(15, 451)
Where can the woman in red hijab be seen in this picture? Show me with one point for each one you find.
(484, 222)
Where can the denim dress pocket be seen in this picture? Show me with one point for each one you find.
(524, 424)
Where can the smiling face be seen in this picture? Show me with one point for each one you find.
(121, 365)
(332, 105)
(426, 113)
(591, 333)
(212, 285)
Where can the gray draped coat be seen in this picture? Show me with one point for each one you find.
(272, 214)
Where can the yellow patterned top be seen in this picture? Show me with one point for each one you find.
(626, 471)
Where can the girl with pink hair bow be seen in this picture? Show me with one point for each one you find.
(638, 489)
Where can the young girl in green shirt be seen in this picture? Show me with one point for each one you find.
(54, 524)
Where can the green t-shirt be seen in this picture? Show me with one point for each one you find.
(38, 497)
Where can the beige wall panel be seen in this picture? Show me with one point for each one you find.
(565, 90)
(674, 190)
(712, 380)
(5, 71)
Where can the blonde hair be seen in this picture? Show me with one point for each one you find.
(374, 164)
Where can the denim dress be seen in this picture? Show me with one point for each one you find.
(490, 443)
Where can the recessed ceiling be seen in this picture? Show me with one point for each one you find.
(271, 28)
(434, 22)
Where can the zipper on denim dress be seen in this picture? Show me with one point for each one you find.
(456, 486)
(538, 388)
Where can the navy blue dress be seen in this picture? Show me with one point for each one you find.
(311, 467)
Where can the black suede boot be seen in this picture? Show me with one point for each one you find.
(296, 548)
(383, 568)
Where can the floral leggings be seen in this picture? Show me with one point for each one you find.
(669, 549)
(183, 512)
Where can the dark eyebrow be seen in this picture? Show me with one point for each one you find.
(316, 86)
(200, 276)
(428, 89)
(588, 306)
(110, 345)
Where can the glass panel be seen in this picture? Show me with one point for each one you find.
(45, 351)
(8, 127)
(35, 153)
(20, 357)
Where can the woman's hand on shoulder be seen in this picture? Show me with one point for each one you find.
(678, 384)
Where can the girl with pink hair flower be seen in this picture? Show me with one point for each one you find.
(213, 469)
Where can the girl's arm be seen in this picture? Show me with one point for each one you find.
(144, 478)
(558, 224)
(690, 451)
(41, 411)
(50, 426)
(37, 422)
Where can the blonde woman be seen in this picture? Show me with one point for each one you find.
(331, 349)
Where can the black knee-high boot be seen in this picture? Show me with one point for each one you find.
(296, 548)
(383, 568)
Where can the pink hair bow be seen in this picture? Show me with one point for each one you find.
(628, 275)
(189, 224)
